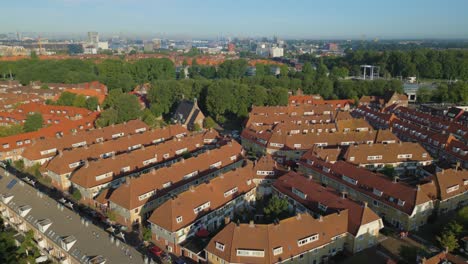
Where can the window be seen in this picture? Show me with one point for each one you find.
(118, 135)
(250, 253)
(125, 169)
(453, 188)
(325, 169)
(166, 156)
(322, 207)
(276, 145)
(232, 191)
(277, 251)
(190, 175)
(79, 144)
(349, 180)
(405, 156)
(143, 129)
(307, 240)
(265, 173)
(424, 155)
(377, 192)
(297, 145)
(216, 165)
(179, 219)
(233, 158)
(219, 246)
(180, 151)
(201, 207)
(147, 162)
(401, 202)
(378, 157)
(351, 158)
(167, 184)
(299, 193)
(104, 176)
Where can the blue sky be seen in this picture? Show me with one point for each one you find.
(202, 18)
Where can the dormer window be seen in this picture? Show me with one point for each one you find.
(401, 202)
(179, 219)
(219, 246)
(453, 188)
(377, 192)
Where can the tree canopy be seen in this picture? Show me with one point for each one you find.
(33, 122)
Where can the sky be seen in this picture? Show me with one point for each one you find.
(347, 19)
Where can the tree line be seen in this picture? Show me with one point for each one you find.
(225, 92)
(423, 63)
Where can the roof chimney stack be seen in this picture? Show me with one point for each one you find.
(251, 223)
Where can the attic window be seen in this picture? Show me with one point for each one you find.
(401, 202)
(351, 158)
(277, 251)
(424, 155)
(219, 246)
(453, 188)
(307, 240)
(465, 182)
(350, 180)
(299, 193)
(322, 207)
(179, 219)
(201, 207)
(232, 191)
(377, 192)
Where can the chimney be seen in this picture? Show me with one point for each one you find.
(251, 223)
(153, 171)
(192, 188)
(396, 179)
(227, 220)
(298, 216)
(364, 204)
(60, 152)
(320, 219)
(86, 165)
(127, 181)
(113, 155)
(113, 125)
(344, 195)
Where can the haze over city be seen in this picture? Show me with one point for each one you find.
(244, 18)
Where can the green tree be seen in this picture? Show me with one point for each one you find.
(278, 96)
(45, 87)
(76, 195)
(454, 227)
(19, 164)
(66, 98)
(423, 95)
(276, 207)
(197, 127)
(146, 233)
(209, 123)
(33, 122)
(448, 240)
(92, 103)
(462, 216)
(79, 101)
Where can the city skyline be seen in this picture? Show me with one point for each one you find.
(209, 19)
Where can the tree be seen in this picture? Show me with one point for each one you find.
(278, 96)
(462, 215)
(196, 127)
(454, 227)
(45, 87)
(146, 233)
(276, 207)
(19, 164)
(79, 101)
(33, 122)
(209, 123)
(92, 103)
(66, 98)
(423, 95)
(34, 55)
(76, 194)
(112, 215)
(448, 240)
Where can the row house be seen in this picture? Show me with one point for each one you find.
(439, 145)
(390, 98)
(93, 176)
(60, 168)
(28, 210)
(134, 201)
(266, 171)
(13, 147)
(448, 186)
(44, 150)
(377, 119)
(291, 147)
(401, 205)
(8, 102)
(203, 208)
(433, 123)
(404, 156)
(298, 239)
(306, 196)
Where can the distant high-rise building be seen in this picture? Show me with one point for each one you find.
(156, 43)
(93, 37)
(148, 47)
(276, 52)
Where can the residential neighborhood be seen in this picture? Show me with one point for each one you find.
(222, 132)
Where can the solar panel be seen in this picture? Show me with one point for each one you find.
(11, 184)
